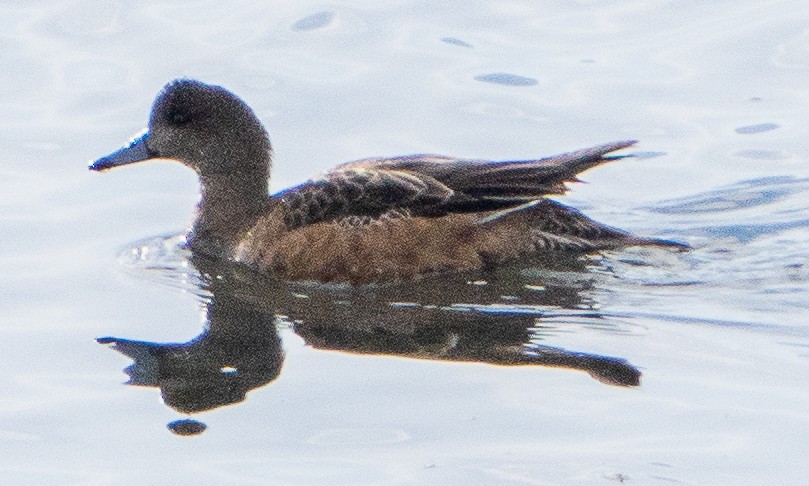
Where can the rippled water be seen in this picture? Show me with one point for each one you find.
(639, 367)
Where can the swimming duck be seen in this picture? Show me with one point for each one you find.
(369, 221)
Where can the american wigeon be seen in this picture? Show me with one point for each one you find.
(372, 220)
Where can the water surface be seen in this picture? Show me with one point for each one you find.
(643, 367)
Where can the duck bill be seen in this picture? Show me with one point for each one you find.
(135, 151)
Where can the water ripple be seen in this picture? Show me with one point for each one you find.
(745, 194)
(455, 42)
(761, 127)
(315, 21)
(506, 79)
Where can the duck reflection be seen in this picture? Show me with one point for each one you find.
(240, 348)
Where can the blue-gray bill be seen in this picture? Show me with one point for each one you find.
(135, 151)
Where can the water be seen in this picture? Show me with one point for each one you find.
(648, 367)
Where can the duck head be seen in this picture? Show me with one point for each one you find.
(206, 127)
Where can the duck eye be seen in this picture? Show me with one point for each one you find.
(179, 116)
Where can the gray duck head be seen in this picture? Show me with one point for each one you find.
(206, 127)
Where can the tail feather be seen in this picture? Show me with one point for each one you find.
(520, 178)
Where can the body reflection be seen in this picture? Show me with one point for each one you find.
(240, 348)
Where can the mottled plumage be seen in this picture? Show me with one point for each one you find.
(371, 220)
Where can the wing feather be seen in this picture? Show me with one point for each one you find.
(434, 185)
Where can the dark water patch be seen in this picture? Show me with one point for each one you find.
(186, 427)
(761, 127)
(313, 22)
(506, 79)
(455, 42)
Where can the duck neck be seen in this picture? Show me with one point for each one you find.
(229, 206)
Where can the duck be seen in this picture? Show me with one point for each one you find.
(370, 221)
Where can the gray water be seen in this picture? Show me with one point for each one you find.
(646, 367)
